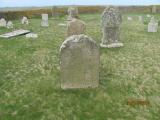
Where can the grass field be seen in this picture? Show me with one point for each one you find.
(30, 79)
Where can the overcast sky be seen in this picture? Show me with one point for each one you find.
(22, 3)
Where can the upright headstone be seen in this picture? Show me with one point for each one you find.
(44, 22)
(25, 20)
(141, 19)
(111, 21)
(153, 25)
(9, 24)
(3, 22)
(79, 63)
(72, 13)
(154, 9)
(75, 27)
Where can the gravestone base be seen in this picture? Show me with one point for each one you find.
(153, 28)
(112, 45)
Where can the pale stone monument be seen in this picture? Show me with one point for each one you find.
(148, 15)
(9, 24)
(72, 13)
(79, 62)
(111, 21)
(3, 22)
(44, 22)
(154, 9)
(141, 19)
(75, 27)
(129, 18)
(25, 20)
(31, 35)
(153, 25)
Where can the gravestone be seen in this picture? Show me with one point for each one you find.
(25, 20)
(9, 24)
(72, 13)
(129, 18)
(148, 15)
(75, 27)
(154, 9)
(111, 21)
(15, 33)
(44, 22)
(3, 22)
(79, 63)
(141, 19)
(31, 35)
(153, 25)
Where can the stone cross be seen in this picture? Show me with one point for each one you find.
(79, 63)
(111, 21)
(3, 22)
(25, 20)
(75, 27)
(72, 13)
(44, 22)
(9, 24)
(153, 25)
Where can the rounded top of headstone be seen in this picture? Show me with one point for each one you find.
(77, 39)
(111, 17)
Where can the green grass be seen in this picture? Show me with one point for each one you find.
(30, 80)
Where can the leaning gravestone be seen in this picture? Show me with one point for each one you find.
(44, 22)
(75, 27)
(111, 21)
(153, 25)
(72, 13)
(79, 63)
(3, 22)
(25, 20)
(9, 24)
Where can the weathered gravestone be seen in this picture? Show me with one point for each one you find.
(111, 21)
(44, 22)
(25, 20)
(75, 27)
(3, 22)
(153, 25)
(79, 63)
(9, 24)
(72, 13)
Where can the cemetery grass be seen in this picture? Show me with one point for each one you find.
(30, 75)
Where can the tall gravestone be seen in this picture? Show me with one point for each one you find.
(3, 22)
(141, 19)
(111, 21)
(25, 20)
(153, 25)
(154, 9)
(75, 27)
(44, 22)
(72, 13)
(79, 63)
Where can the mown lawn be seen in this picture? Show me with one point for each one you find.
(30, 79)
